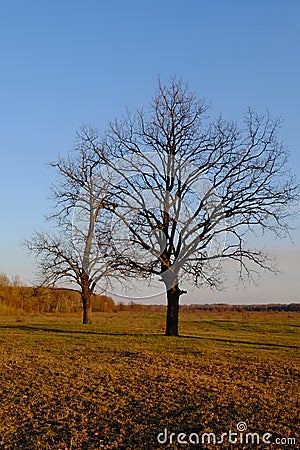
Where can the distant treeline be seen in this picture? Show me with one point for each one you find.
(212, 307)
(225, 307)
(15, 298)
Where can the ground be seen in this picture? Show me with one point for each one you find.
(121, 384)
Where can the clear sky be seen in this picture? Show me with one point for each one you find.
(66, 63)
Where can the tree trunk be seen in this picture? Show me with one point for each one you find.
(173, 294)
(87, 310)
(86, 297)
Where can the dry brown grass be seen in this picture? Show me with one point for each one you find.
(118, 383)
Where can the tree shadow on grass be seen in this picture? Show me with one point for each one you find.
(234, 341)
(64, 331)
(102, 333)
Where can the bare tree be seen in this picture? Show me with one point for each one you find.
(80, 252)
(190, 190)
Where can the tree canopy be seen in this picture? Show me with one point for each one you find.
(176, 193)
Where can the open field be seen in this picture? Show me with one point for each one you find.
(117, 383)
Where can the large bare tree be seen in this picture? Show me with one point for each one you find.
(79, 250)
(190, 190)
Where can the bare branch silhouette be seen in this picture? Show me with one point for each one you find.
(183, 183)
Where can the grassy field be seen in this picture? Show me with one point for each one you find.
(118, 383)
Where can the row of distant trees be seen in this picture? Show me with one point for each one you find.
(18, 299)
(292, 307)
(166, 194)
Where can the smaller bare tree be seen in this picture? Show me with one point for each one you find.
(80, 251)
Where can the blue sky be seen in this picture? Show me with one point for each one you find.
(68, 63)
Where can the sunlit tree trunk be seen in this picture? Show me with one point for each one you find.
(173, 295)
(86, 296)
